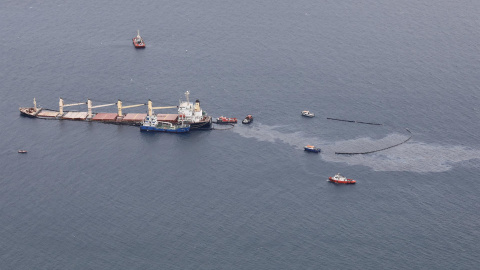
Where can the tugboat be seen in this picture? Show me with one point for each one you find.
(30, 111)
(247, 119)
(339, 179)
(150, 123)
(193, 114)
(225, 120)
(311, 148)
(308, 114)
(138, 41)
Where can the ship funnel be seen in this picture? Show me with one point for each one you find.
(197, 105)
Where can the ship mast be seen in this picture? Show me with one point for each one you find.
(187, 94)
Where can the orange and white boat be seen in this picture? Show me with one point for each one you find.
(339, 179)
(226, 120)
(138, 41)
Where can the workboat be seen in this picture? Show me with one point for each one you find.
(247, 119)
(30, 111)
(226, 120)
(22, 151)
(308, 114)
(339, 179)
(192, 114)
(150, 123)
(311, 148)
(138, 41)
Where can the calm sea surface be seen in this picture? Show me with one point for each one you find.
(98, 196)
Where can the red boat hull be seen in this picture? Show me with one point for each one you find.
(140, 46)
(348, 181)
(224, 120)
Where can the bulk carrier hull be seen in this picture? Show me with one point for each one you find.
(188, 113)
(29, 111)
(204, 124)
(55, 115)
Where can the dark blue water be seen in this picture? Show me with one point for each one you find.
(97, 196)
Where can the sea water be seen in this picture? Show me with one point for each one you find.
(99, 196)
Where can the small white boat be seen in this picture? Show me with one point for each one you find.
(308, 114)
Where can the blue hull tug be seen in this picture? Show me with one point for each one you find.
(167, 129)
(150, 123)
(311, 148)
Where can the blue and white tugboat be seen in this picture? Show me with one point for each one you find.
(150, 123)
(311, 148)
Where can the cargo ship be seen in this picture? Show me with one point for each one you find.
(187, 113)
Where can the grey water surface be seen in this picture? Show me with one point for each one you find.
(99, 196)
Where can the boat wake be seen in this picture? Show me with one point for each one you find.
(413, 156)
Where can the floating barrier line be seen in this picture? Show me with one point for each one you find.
(227, 128)
(353, 121)
(369, 152)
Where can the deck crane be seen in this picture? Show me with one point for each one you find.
(90, 107)
(150, 108)
(61, 105)
(120, 107)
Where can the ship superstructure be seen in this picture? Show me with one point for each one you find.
(193, 114)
